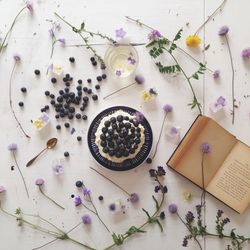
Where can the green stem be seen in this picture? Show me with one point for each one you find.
(210, 17)
(19, 170)
(50, 198)
(105, 97)
(182, 50)
(189, 83)
(80, 243)
(11, 27)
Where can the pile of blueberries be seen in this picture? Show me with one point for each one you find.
(120, 136)
(70, 104)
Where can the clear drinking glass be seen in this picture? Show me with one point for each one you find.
(121, 60)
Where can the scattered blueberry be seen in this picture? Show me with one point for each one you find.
(79, 184)
(98, 78)
(84, 117)
(79, 138)
(104, 76)
(149, 160)
(66, 154)
(58, 127)
(89, 80)
(97, 86)
(53, 80)
(100, 198)
(67, 125)
(20, 104)
(23, 89)
(72, 59)
(37, 72)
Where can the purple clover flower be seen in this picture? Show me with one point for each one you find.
(29, 5)
(58, 169)
(221, 101)
(12, 147)
(62, 41)
(39, 182)
(134, 198)
(245, 53)
(131, 60)
(17, 57)
(86, 219)
(168, 108)
(139, 79)
(154, 35)
(77, 201)
(205, 148)
(2, 189)
(172, 208)
(120, 33)
(86, 191)
(223, 30)
(216, 74)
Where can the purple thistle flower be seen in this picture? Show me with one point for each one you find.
(62, 41)
(86, 219)
(154, 34)
(112, 207)
(139, 79)
(12, 147)
(205, 148)
(216, 74)
(2, 189)
(168, 108)
(139, 117)
(221, 101)
(29, 5)
(86, 191)
(39, 182)
(172, 208)
(245, 53)
(120, 33)
(78, 201)
(223, 30)
(134, 198)
(17, 57)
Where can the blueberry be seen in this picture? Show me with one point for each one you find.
(102, 136)
(43, 110)
(114, 126)
(52, 102)
(85, 89)
(46, 107)
(20, 104)
(82, 108)
(105, 150)
(66, 154)
(59, 99)
(37, 72)
(57, 116)
(138, 130)
(111, 144)
(79, 184)
(111, 153)
(67, 76)
(125, 153)
(67, 84)
(97, 86)
(85, 99)
(61, 92)
(58, 127)
(79, 81)
(72, 59)
(119, 118)
(127, 125)
(103, 144)
(113, 119)
(104, 76)
(107, 124)
(111, 131)
(23, 89)
(100, 198)
(104, 130)
(53, 80)
(89, 91)
(78, 116)
(66, 90)
(132, 130)
(52, 96)
(149, 160)
(67, 125)
(126, 118)
(79, 138)
(118, 154)
(47, 93)
(131, 151)
(79, 87)
(95, 97)
(70, 116)
(84, 117)
(99, 78)
(72, 110)
(94, 63)
(89, 80)
(62, 114)
(92, 59)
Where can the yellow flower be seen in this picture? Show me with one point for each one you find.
(146, 96)
(193, 41)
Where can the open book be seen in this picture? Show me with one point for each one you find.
(226, 168)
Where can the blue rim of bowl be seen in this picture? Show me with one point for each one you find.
(129, 163)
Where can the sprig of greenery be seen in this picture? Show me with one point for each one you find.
(158, 47)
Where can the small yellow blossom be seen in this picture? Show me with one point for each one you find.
(193, 41)
(57, 69)
(146, 96)
(186, 195)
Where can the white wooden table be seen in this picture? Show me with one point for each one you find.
(30, 38)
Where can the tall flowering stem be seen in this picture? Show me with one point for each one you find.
(56, 232)
(85, 39)
(3, 44)
(17, 59)
(119, 239)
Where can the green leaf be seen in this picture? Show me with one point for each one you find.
(146, 212)
(156, 203)
(159, 224)
(118, 239)
(133, 230)
(176, 38)
(168, 69)
(178, 35)
(151, 44)
(207, 47)
(82, 26)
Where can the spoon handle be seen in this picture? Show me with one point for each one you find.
(33, 159)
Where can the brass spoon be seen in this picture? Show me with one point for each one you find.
(51, 143)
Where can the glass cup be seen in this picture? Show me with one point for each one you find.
(121, 60)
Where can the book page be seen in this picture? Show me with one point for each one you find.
(231, 184)
(189, 164)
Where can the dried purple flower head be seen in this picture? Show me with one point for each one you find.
(154, 35)
(77, 201)
(160, 171)
(86, 191)
(39, 182)
(139, 79)
(157, 188)
(134, 198)
(168, 108)
(223, 30)
(62, 41)
(29, 5)
(221, 101)
(58, 169)
(172, 208)
(120, 33)
(17, 57)
(189, 217)
(245, 53)
(2, 189)
(139, 117)
(86, 219)
(152, 173)
(112, 207)
(216, 74)
(185, 242)
(12, 147)
(205, 148)
(219, 213)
